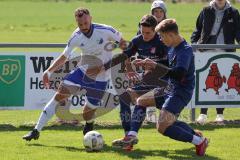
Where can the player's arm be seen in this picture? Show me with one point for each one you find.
(58, 63)
(159, 70)
(177, 73)
(131, 51)
(183, 62)
(131, 73)
(124, 57)
(118, 58)
(128, 51)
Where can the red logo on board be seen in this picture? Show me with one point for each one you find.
(234, 78)
(214, 79)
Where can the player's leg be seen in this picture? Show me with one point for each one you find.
(177, 130)
(94, 95)
(70, 85)
(125, 101)
(49, 110)
(147, 99)
(125, 111)
(138, 117)
(160, 100)
(88, 115)
(139, 112)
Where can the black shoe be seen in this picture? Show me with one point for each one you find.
(87, 127)
(34, 134)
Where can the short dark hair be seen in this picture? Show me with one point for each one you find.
(79, 12)
(149, 21)
(167, 25)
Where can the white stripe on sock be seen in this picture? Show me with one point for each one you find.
(132, 133)
(197, 140)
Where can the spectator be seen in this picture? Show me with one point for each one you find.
(158, 10)
(219, 23)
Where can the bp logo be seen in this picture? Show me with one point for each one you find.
(12, 80)
(10, 70)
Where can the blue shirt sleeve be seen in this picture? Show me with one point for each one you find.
(131, 49)
(184, 58)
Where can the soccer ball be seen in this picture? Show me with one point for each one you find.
(93, 141)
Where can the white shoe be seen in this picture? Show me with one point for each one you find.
(202, 119)
(219, 118)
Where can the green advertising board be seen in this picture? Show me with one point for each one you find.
(12, 80)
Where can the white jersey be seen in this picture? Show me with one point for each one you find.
(93, 47)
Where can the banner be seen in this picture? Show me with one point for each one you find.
(217, 79)
(21, 86)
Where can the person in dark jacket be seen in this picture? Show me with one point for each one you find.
(219, 23)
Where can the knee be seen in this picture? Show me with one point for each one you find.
(132, 95)
(142, 102)
(88, 113)
(60, 97)
(63, 93)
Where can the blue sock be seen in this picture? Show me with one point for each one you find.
(138, 117)
(178, 133)
(125, 113)
(185, 126)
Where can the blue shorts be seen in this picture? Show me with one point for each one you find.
(172, 103)
(95, 89)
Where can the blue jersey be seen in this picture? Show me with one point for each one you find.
(153, 49)
(182, 57)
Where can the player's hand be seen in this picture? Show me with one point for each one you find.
(147, 64)
(135, 61)
(46, 77)
(123, 44)
(133, 76)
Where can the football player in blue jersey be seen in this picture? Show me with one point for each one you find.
(181, 78)
(147, 45)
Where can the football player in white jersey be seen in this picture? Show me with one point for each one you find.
(92, 39)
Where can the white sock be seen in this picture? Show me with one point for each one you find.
(197, 140)
(132, 133)
(90, 121)
(47, 114)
